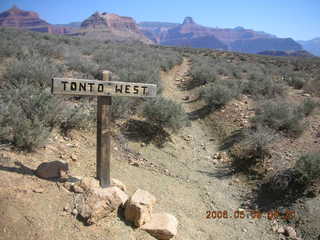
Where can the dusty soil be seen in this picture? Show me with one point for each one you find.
(181, 174)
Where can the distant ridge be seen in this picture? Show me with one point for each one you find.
(287, 54)
(191, 34)
(109, 26)
(312, 46)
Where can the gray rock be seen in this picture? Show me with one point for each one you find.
(55, 169)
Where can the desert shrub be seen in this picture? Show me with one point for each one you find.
(31, 68)
(219, 93)
(280, 115)
(165, 113)
(260, 85)
(136, 63)
(202, 72)
(28, 114)
(308, 106)
(121, 107)
(308, 166)
(252, 148)
(76, 61)
(313, 86)
(295, 80)
(75, 116)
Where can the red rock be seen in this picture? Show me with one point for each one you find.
(15, 17)
(113, 23)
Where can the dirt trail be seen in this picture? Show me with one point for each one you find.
(202, 186)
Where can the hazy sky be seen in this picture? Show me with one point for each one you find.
(299, 19)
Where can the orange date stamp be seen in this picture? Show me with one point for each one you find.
(250, 214)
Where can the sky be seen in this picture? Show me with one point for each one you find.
(298, 19)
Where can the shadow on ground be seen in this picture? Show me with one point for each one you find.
(234, 138)
(200, 113)
(223, 173)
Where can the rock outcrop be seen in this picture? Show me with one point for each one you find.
(15, 17)
(111, 22)
(112, 26)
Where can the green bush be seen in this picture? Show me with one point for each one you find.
(295, 80)
(308, 106)
(219, 93)
(259, 85)
(31, 68)
(252, 148)
(121, 107)
(28, 114)
(75, 117)
(76, 61)
(308, 166)
(313, 86)
(280, 115)
(165, 113)
(202, 72)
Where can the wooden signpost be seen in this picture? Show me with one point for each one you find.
(103, 90)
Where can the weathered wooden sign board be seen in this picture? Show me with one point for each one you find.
(70, 86)
(103, 90)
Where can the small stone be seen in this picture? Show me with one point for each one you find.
(142, 144)
(139, 207)
(76, 188)
(119, 184)
(136, 164)
(38, 190)
(236, 180)
(244, 230)
(75, 212)
(280, 230)
(162, 226)
(215, 162)
(66, 209)
(74, 157)
(186, 98)
(290, 232)
(88, 184)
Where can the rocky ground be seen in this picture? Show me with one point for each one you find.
(188, 177)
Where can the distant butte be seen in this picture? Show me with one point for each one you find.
(15, 17)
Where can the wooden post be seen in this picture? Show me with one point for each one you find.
(104, 136)
(103, 90)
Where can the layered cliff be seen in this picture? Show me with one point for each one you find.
(15, 17)
(112, 26)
